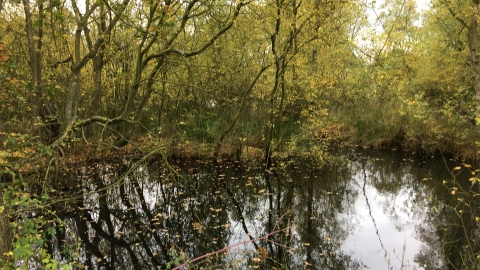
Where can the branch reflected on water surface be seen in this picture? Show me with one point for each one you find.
(290, 215)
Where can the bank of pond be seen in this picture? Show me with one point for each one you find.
(369, 209)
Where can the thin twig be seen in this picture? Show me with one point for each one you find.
(225, 249)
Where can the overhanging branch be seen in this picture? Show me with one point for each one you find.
(74, 126)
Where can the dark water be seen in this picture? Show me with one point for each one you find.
(372, 210)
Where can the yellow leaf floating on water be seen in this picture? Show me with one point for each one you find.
(262, 252)
(198, 226)
(467, 165)
(457, 168)
(453, 192)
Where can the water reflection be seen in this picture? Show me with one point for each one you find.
(374, 210)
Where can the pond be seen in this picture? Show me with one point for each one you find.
(371, 210)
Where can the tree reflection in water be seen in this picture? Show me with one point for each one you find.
(157, 214)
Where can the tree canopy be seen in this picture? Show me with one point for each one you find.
(271, 74)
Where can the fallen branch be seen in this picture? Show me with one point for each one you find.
(94, 119)
(225, 249)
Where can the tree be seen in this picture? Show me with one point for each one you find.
(466, 15)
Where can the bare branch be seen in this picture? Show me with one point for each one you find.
(89, 56)
(202, 48)
(74, 126)
(66, 60)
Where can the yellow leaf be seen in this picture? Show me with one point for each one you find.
(457, 168)
(467, 165)
(453, 192)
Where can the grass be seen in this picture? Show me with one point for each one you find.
(382, 126)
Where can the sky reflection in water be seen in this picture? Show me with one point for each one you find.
(353, 215)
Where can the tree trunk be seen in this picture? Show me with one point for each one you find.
(98, 65)
(71, 104)
(6, 235)
(472, 44)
